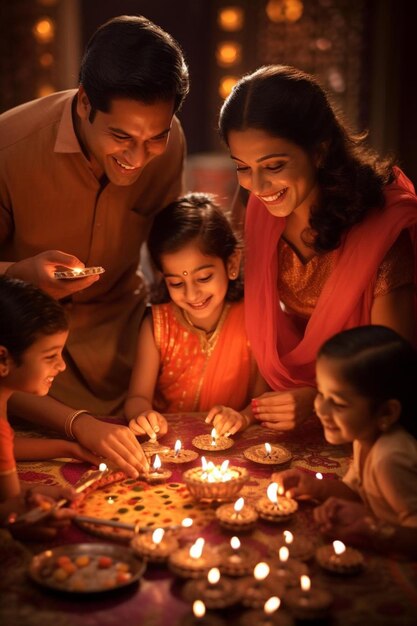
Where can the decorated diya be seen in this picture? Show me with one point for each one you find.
(237, 517)
(215, 590)
(237, 560)
(268, 454)
(339, 559)
(157, 474)
(193, 561)
(212, 442)
(300, 547)
(215, 482)
(154, 547)
(179, 455)
(152, 446)
(306, 602)
(274, 508)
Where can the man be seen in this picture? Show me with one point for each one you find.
(82, 173)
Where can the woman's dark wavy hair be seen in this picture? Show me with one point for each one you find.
(193, 218)
(285, 102)
(131, 57)
(380, 365)
(26, 313)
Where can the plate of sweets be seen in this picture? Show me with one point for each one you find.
(86, 568)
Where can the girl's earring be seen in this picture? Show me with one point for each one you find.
(232, 275)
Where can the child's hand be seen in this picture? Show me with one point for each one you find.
(295, 483)
(225, 420)
(341, 518)
(149, 423)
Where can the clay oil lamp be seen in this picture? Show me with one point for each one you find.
(237, 560)
(274, 508)
(308, 603)
(339, 559)
(237, 517)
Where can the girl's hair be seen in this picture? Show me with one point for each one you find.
(193, 218)
(26, 313)
(380, 365)
(287, 103)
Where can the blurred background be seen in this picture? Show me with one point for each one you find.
(362, 50)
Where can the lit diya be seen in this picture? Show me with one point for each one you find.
(216, 591)
(154, 547)
(195, 561)
(268, 454)
(215, 482)
(152, 446)
(286, 570)
(300, 547)
(237, 516)
(199, 616)
(157, 475)
(274, 508)
(178, 455)
(237, 560)
(268, 616)
(260, 587)
(339, 559)
(308, 603)
(212, 442)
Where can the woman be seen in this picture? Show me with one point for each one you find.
(330, 229)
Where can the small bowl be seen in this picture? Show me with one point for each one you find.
(204, 490)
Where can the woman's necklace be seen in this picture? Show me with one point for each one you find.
(188, 320)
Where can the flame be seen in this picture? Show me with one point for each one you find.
(102, 467)
(177, 446)
(157, 535)
(272, 492)
(288, 536)
(238, 505)
(213, 576)
(213, 436)
(234, 542)
(271, 605)
(196, 549)
(319, 476)
(284, 553)
(339, 547)
(305, 582)
(268, 449)
(157, 463)
(199, 608)
(224, 466)
(187, 522)
(261, 571)
(203, 463)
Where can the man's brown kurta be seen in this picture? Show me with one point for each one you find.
(50, 199)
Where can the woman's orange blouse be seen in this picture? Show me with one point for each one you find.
(7, 460)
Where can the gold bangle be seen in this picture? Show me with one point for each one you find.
(70, 421)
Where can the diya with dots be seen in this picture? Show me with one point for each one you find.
(212, 442)
(268, 454)
(238, 516)
(179, 455)
(215, 482)
(237, 560)
(274, 508)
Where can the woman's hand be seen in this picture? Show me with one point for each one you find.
(295, 483)
(114, 442)
(226, 421)
(149, 423)
(284, 410)
(74, 450)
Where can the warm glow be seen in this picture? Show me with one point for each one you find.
(196, 549)
(204, 463)
(235, 543)
(339, 547)
(213, 576)
(199, 608)
(284, 10)
(228, 53)
(283, 553)
(288, 536)
(46, 59)
(77, 270)
(44, 30)
(110, 500)
(261, 571)
(268, 449)
(272, 492)
(271, 605)
(224, 466)
(213, 436)
(238, 505)
(305, 582)
(226, 85)
(102, 467)
(187, 522)
(157, 535)
(177, 446)
(319, 476)
(157, 463)
(230, 18)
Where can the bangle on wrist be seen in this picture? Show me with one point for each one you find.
(69, 422)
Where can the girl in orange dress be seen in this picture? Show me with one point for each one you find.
(33, 331)
(193, 353)
(366, 381)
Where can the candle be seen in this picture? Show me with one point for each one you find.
(213, 441)
(178, 454)
(237, 560)
(214, 482)
(339, 559)
(157, 474)
(238, 516)
(308, 603)
(268, 454)
(194, 561)
(274, 508)
(155, 547)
